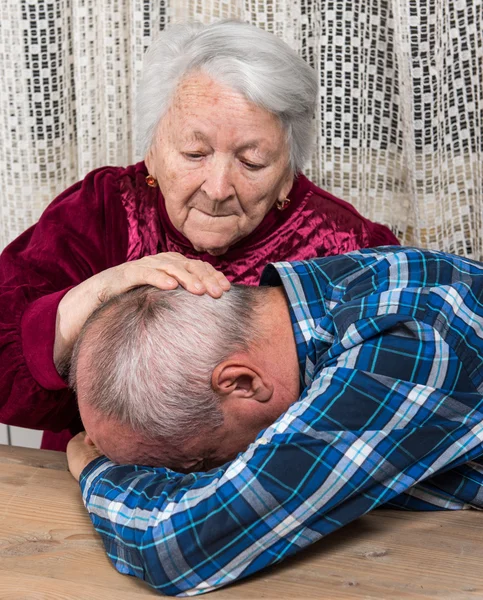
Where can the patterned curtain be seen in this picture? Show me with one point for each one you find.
(399, 122)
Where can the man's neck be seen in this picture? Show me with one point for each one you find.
(277, 348)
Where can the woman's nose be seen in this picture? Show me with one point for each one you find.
(218, 184)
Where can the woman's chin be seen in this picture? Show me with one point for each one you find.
(214, 244)
(213, 235)
(214, 251)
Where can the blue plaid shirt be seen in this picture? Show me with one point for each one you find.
(390, 348)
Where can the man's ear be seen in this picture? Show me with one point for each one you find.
(240, 379)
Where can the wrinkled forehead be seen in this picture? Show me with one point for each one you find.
(198, 86)
(201, 100)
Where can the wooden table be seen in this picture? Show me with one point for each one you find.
(49, 549)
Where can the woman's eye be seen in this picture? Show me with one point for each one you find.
(193, 155)
(252, 166)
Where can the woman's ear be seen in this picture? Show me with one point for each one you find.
(240, 379)
(149, 162)
(286, 186)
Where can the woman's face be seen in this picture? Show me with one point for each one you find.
(221, 163)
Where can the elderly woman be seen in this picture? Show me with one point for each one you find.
(225, 121)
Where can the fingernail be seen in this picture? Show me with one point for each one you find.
(216, 289)
(199, 286)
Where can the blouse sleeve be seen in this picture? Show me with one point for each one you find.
(380, 235)
(72, 241)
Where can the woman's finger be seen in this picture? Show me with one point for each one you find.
(138, 273)
(215, 281)
(196, 276)
(222, 280)
(197, 281)
(167, 278)
(167, 272)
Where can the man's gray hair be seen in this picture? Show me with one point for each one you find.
(255, 63)
(148, 356)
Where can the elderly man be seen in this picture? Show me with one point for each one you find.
(345, 383)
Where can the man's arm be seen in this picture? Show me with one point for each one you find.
(459, 488)
(353, 442)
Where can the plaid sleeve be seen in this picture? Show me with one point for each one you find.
(459, 488)
(355, 440)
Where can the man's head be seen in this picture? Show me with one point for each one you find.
(169, 378)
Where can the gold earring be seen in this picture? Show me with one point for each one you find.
(151, 181)
(282, 204)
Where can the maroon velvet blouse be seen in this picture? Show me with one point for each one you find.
(111, 217)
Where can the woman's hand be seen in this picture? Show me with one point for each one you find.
(165, 271)
(80, 452)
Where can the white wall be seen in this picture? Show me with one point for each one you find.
(19, 436)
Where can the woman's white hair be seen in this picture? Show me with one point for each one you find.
(255, 63)
(148, 357)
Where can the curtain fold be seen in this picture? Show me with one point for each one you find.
(399, 120)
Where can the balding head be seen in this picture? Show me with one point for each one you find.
(142, 368)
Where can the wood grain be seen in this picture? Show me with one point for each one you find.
(49, 550)
(47, 459)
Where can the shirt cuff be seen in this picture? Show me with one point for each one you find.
(38, 336)
(92, 472)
